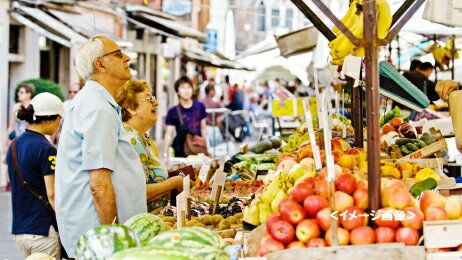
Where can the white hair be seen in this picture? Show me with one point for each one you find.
(87, 54)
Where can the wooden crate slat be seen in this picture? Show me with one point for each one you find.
(442, 234)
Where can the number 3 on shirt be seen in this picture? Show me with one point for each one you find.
(52, 159)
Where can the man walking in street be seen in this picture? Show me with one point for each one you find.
(99, 177)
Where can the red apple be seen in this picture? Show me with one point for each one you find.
(386, 218)
(343, 237)
(316, 242)
(413, 218)
(384, 235)
(363, 235)
(282, 231)
(292, 212)
(313, 204)
(361, 198)
(296, 244)
(311, 181)
(301, 191)
(272, 218)
(321, 187)
(270, 245)
(436, 213)
(323, 219)
(362, 184)
(352, 217)
(408, 236)
(342, 201)
(345, 183)
(430, 198)
(306, 230)
(264, 238)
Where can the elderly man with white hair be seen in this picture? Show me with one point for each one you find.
(99, 177)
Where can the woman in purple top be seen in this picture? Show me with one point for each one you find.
(194, 118)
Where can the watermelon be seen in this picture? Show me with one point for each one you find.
(146, 226)
(105, 240)
(201, 241)
(155, 253)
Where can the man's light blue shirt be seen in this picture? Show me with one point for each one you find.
(93, 137)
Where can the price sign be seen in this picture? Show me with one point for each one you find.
(284, 107)
(204, 171)
(187, 186)
(182, 209)
(219, 180)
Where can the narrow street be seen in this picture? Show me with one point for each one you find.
(8, 250)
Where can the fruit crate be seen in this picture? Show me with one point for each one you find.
(375, 251)
(442, 234)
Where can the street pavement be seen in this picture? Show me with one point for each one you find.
(8, 250)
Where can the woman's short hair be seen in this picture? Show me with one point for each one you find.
(126, 97)
(182, 80)
(87, 54)
(29, 88)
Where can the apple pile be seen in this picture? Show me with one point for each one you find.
(303, 218)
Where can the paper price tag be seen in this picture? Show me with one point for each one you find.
(284, 107)
(182, 209)
(309, 121)
(187, 186)
(219, 180)
(204, 171)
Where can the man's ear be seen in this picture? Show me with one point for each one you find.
(99, 66)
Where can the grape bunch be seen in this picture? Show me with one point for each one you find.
(294, 142)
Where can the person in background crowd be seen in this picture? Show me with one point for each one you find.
(17, 127)
(209, 82)
(215, 127)
(230, 89)
(419, 78)
(96, 162)
(193, 117)
(413, 67)
(238, 98)
(34, 223)
(139, 113)
(73, 90)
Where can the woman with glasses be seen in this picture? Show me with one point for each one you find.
(139, 113)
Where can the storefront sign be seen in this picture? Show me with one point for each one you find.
(177, 7)
(211, 43)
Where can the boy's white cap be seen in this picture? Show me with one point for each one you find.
(46, 104)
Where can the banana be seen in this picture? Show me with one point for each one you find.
(347, 17)
(384, 18)
(275, 203)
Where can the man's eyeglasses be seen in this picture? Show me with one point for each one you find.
(117, 53)
(150, 99)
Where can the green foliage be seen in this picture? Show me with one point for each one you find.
(395, 112)
(41, 85)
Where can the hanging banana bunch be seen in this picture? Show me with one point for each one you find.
(443, 55)
(353, 20)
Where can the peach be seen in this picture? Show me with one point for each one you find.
(430, 198)
(347, 161)
(453, 207)
(342, 234)
(305, 152)
(362, 236)
(362, 184)
(338, 144)
(385, 217)
(435, 213)
(413, 218)
(360, 155)
(337, 154)
(342, 201)
(400, 198)
(361, 198)
(307, 164)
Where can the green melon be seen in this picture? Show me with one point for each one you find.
(146, 226)
(104, 241)
(198, 240)
(155, 253)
